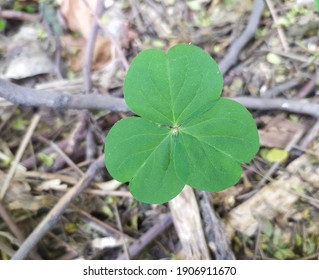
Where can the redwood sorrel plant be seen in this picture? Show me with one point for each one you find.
(185, 133)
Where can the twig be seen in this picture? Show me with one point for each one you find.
(50, 220)
(86, 70)
(232, 54)
(274, 166)
(308, 87)
(148, 237)
(281, 34)
(11, 224)
(266, 104)
(110, 36)
(188, 225)
(257, 242)
(307, 60)
(33, 160)
(77, 134)
(15, 230)
(275, 91)
(110, 193)
(109, 229)
(119, 224)
(30, 97)
(65, 157)
(6, 249)
(49, 176)
(7, 120)
(214, 229)
(310, 136)
(90, 145)
(88, 54)
(34, 122)
(10, 14)
(71, 252)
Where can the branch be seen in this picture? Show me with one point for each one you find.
(295, 106)
(30, 97)
(89, 49)
(11, 14)
(188, 225)
(214, 229)
(148, 237)
(232, 55)
(50, 220)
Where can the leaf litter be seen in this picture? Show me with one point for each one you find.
(290, 233)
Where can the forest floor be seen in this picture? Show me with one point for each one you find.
(56, 196)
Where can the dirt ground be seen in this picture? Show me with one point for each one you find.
(57, 200)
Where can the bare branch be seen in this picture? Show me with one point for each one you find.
(11, 14)
(232, 54)
(33, 124)
(214, 229)
(188, 225)
(50, 220)
(30, 97)
(137, 246)
(295, 106)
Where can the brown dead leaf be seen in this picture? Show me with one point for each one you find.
(75, 46)
(19, 196)
(77, 15)
(278, 131)
(15, 190)
(306, 169)
(276, 198)
(79, 19)
(103, 52)
(273, 199)
(29, 202)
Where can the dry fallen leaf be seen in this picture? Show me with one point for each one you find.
(109, 185)
(78, 18)
(25, 55)
(278, 131)
(306, 168)
(77, 15)
(54, 184)
(19, 196)
(273, 199)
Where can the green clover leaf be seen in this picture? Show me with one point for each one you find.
(186, 133)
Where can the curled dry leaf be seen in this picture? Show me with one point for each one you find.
(52, 185)
(77, 15)
(26, 57)
(278, 197)
(274, 199)
(109, 185)
(19, 196)
(106, 242)
(306, 168)
(79, 18)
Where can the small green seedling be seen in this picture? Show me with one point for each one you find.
(186, 133)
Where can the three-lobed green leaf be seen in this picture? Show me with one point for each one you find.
(186, 133)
